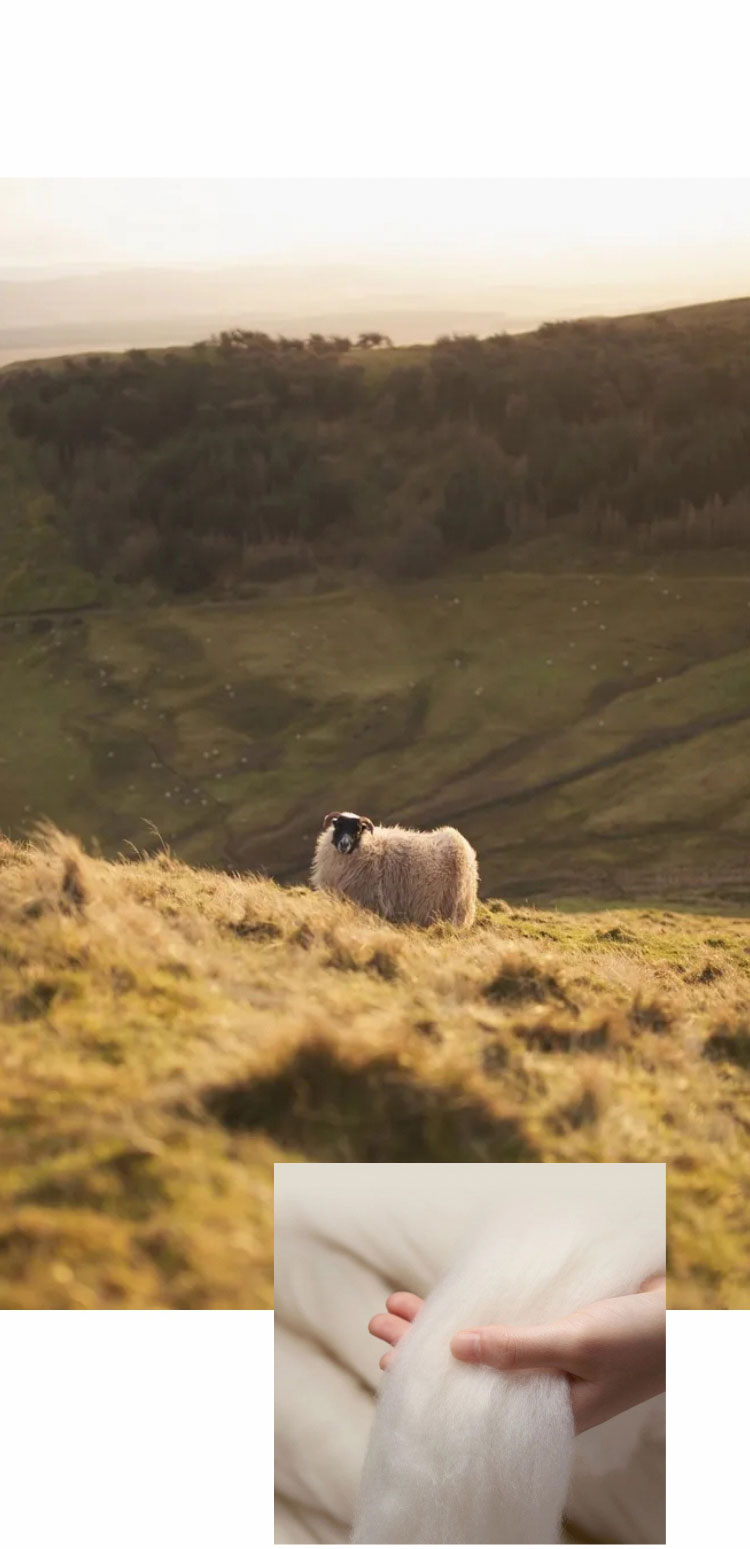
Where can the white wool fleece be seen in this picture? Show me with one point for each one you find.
(405, 874)
(464, 1454)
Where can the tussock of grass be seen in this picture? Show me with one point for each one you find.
(520, 977)
(651, 1012)
(554, 1037)
(340, 1110)
(729, 1044)
(169, 1032)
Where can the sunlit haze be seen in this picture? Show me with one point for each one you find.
(416, 256)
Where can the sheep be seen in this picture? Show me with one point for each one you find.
(409, 876)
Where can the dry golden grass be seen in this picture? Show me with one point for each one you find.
(169, 1032)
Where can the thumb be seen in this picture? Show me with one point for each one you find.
(511, 1349)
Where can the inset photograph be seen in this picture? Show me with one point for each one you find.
(470, 1353)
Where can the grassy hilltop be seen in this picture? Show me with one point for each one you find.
(169, 1032)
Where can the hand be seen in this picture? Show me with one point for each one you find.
(612, 1352)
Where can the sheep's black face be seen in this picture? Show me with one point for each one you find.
(347, 830)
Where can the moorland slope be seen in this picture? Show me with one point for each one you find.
(591, 734)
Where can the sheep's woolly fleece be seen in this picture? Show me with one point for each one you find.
(407, 875)
(465, 1454)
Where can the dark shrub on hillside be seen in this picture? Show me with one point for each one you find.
(416, 550)
(276, 561)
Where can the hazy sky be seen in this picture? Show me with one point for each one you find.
(683, 232)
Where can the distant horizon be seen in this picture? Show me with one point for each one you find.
(87, 263)
(160, 307)
(406, 323)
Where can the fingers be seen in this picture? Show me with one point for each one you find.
(513, 1349)
(385, 1326)
(404, 1304)
(391, 1326)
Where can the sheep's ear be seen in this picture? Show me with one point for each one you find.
(329, 819)
(367, 823)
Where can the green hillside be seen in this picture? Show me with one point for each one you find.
(504, 582)
(591, 735)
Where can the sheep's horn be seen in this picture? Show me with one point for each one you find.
(329, 818)
(367, 823)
